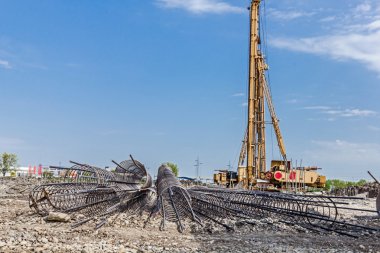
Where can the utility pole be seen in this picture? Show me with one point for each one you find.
(197, 166)
(229, 166)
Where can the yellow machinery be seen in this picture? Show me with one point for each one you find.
(294, 178)
(252, 159)
(254, 141)
(226, 178)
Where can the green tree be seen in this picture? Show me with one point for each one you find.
(328, 185)
(361, 182)
(174, 168)
(8, 161)
(340, 184)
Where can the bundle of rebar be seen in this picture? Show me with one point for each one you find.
(311, 212)
(98, 194)
(174, 200)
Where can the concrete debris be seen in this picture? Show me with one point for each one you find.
(60, 217)
(371, 190)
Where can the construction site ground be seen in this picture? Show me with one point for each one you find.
(21, 230)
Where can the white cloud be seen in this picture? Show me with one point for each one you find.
(238, 95)
(333, 113)
(317, 107)
(375, 25)
(201, 6)
(328, 19)
(363, 7)
(5, 64)
(374, 128)
(244, 104)
(355, 37)
(351, 113)
(289, 14)
(364, 48)
(339, 144)
(340, 158)
(292, 101)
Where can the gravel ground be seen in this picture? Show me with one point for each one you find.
(21, 230)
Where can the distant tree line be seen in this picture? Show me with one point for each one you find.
(340, 184)
(174, 168)
(7, 161)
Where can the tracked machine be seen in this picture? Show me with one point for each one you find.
(251, 171)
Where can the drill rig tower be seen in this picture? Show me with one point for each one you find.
(253, 147)
(252, 159)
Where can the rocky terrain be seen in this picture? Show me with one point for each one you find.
(21, 230)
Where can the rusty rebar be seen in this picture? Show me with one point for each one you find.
(98, 194)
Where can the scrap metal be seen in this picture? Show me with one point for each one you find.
(95, 192)
(98, 194)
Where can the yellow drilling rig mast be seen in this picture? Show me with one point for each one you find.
(252, 159)
(254, 141)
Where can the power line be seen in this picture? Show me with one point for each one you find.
(197, 166)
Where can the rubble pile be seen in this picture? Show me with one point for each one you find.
(371, 189)
(17, 187)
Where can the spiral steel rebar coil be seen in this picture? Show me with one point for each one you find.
(312, 212)
(97, 194)
(255, 204)
(174, 200)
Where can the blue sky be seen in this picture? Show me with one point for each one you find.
(165, 80)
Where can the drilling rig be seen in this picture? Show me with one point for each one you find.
(252, 158)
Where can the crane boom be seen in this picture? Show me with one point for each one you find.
(243, 150)
(275, 121)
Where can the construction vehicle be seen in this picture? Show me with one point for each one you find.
(226, 178)
(252, 160)
(298, 177)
